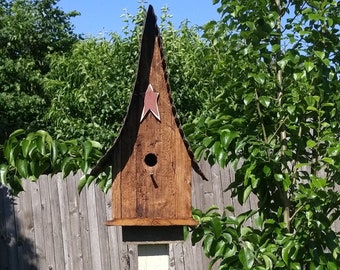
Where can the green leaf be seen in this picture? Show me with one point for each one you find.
(207, 141)
(16, 185)
(246, 193)
(230, 208)
(41, 145)
(87, 149)
(3, 174)
(227, 136)
(248, 98)
(311, 108)
(266, 170)
(230, 251)
(197, 235)
(282, 63)
(25, 145)
(309, 66)
(268, 262)
(334, 151)
(291, 109)
(278, 177)
(286, 251)
(265, 101)
(311, 144)
(96, 144)
(328, 160)
(208, 246)
(260, 78)
(66, 166)
(217, 227)
(320, 54)
(21, 165)
(246, 257)
(54, 152)
(318, 182)
(286, 183)
(17, 133)
(82, 182)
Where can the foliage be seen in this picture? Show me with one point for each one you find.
(30, 155)
(29, 31)
(278, 123)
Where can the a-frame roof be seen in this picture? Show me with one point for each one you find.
(123, 145)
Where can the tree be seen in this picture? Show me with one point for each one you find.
(30, 30)
(277, 122)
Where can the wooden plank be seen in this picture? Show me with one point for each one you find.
(74, 219)
(46, 211)
(58, 243)
(132, 253)
(38, 226)
(94, 247)
(151, 222)
(25, 229)
(102, 229)
(6, 217)
(114, 239)
(85, 231)
(176, 256)
(217, 187)
(65, 223)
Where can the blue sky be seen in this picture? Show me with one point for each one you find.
(103, 16)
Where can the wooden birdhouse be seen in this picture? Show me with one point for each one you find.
(151, 161)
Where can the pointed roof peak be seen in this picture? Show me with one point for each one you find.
(150, 25)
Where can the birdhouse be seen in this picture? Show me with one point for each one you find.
(151, 160)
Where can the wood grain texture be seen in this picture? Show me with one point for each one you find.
(153, 193)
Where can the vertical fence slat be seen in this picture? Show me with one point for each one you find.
(5, 237)
(38, 227)
(85, 231)
(93, 227)
(75, 235)
(25, 229)
(102, 228)
(46, 210)
(56, 223)
(65, 223)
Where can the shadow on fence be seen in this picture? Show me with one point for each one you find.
(16, 251)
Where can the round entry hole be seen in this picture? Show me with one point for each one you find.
(150, 160)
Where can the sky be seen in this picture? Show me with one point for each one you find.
(104, 16)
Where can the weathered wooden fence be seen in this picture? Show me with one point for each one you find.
(50, 226)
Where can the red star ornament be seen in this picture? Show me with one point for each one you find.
(150, 103)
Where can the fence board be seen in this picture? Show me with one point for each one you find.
(47, 219)
(51, 226)
(85, 231)
(38, 225)
(5, 237)
(56, 223)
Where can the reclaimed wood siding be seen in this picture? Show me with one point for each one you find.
(50, 226)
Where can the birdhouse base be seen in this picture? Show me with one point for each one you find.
(152, 234)
(152, 222)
